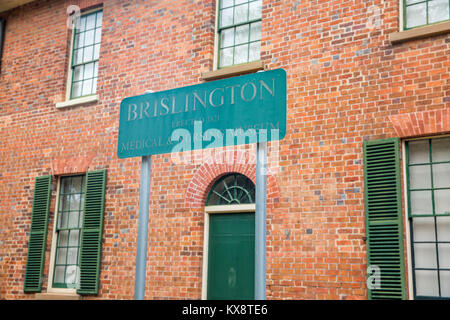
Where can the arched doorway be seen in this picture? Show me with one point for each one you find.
(229, 259)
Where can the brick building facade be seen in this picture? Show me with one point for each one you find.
(356, 70)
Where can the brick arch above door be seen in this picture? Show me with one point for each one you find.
(211, 171)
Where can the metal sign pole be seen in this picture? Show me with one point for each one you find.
(141, 254)
(260, 221)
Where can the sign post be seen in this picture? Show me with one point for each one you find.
(141, 253)
(260, 221)
(229, 112)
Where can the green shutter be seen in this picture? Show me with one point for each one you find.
(384, 217)
(91, 232)
(38, 234)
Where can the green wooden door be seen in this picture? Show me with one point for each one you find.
(231, 257)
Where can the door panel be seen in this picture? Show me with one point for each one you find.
(231, 261)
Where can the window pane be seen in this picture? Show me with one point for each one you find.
(416, 15)
(88, 53)
(76, 89)
(75, 202)
(227, 38)
(76, 181)
(438, 10)
(82, 25)
(445, 284)
(72, 256)
(78, 56)
(426, 283)
(242, 35)
(99, 18)
(63, 203)
(255, 51)
(79, 40)
(59, 274)
(226, 17)
(420, 177)
(89, 38)
(78, 73)
(73, 220)
(62, 238)
(98, 35)
(421, 202)
(255, 10)
(441, 175)
(226, 57)
(443, 228)
(255, 31)
(90, 21)
(419, 152)
(71, 274)
(442, 201)
(94, 89)
(241, 13)
(425, 255)
(88, 73)
(65, 185)
(441, 149)
(241, 54)
(74, 238)
(226, 3)
(413, 1)
(61, 256)
(87, 87)
(423, 229)
(63, 220)
(96, 51)
(236, 2)
(444, 256)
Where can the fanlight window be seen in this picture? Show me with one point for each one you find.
(232, 189)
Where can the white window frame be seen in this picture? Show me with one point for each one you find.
(68, 102)
(51, 270)
(216, 42)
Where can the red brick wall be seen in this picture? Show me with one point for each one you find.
(346, 83)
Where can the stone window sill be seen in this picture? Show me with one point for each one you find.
(57, 296)
(420, 32)
(233, 71)
(77, 102)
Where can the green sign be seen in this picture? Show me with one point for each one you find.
(233, 111)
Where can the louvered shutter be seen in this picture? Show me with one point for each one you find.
(38, 234)
(384, 217)
(91, 232)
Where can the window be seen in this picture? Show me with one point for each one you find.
(239, 28)
(424, 12)
(428, 174)
(85, 54)
(68, 230)
(77, 238)
(232, 189)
